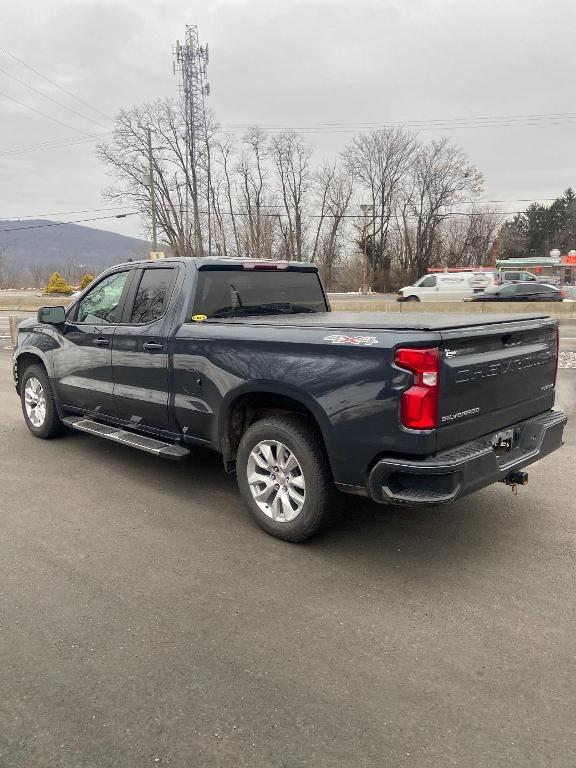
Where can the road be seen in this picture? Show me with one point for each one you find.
(145, 621)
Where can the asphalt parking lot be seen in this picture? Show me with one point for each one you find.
(145, 621)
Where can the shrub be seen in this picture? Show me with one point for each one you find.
(57, 284)
(86, 280)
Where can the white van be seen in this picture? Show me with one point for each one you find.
(448, 286)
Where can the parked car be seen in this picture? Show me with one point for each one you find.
(516, 276)
(447, 286)
(455, 286)
(520, 292)
(245, 358)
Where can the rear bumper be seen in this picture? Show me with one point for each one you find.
(459, 471)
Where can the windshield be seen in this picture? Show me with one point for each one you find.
(239, 293)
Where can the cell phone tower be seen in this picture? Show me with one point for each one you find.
(191, 61)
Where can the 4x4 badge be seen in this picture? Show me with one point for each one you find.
(365, 341)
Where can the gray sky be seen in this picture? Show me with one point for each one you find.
(293, 63)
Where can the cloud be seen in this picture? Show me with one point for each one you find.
(295, 62)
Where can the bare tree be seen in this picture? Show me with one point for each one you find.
(333, 192)
(264, 198)
(465, 240)
(441, 176)
(254, 193)
(225, 156)
(3, 271)
(379, 161)
(180, 185)
(38, 275)
(291, 157)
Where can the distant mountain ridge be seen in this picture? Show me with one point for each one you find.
(69, 245)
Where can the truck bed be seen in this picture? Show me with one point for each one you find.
(413, 321)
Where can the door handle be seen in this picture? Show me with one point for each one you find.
(101, 342)
(152, 346)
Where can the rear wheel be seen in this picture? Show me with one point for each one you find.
(284, 477)
(38, 406)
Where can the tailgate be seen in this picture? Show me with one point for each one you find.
(493, 376)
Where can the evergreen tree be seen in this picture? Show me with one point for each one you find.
(57, 284)
(541, 228)
(86, 280)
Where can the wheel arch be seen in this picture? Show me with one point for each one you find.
(24, 359)
(253, 403)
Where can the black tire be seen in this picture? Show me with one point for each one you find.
(307, 446)
(412, 298)
(51, 425)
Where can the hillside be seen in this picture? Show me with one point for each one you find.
(72, 245)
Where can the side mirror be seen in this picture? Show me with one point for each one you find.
(52, 315)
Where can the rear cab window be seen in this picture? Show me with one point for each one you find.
(222, 293)
(152, 294)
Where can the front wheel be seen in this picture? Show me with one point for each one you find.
(412, 298)
(284, 477)
(38, 406)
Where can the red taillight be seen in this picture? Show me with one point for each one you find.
(419, 408)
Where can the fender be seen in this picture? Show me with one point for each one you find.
(274, 388)
(37, 352)
(38, 343)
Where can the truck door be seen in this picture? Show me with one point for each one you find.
(83, 365)
(140, 350)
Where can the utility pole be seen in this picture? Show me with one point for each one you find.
(191, 60)
(152, 192)
(366, 209)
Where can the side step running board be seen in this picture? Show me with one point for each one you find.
(148, 444)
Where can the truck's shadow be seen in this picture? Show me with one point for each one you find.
(369, 535)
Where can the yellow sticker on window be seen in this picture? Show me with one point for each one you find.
(199, 318)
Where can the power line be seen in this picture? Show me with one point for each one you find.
(54, 101)
(561, 118)
(43, 114)
(55, 144)
(62, 213)
(319, 128)
(57, 85)
(279, 213)
(427, 121)
(62, 223)
(460, 202)
(512, 200)
(442, 119)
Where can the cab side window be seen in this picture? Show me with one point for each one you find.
(101, 304)
(428, 282)
(152, 294)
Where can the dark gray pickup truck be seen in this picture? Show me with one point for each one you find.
(245, 358)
